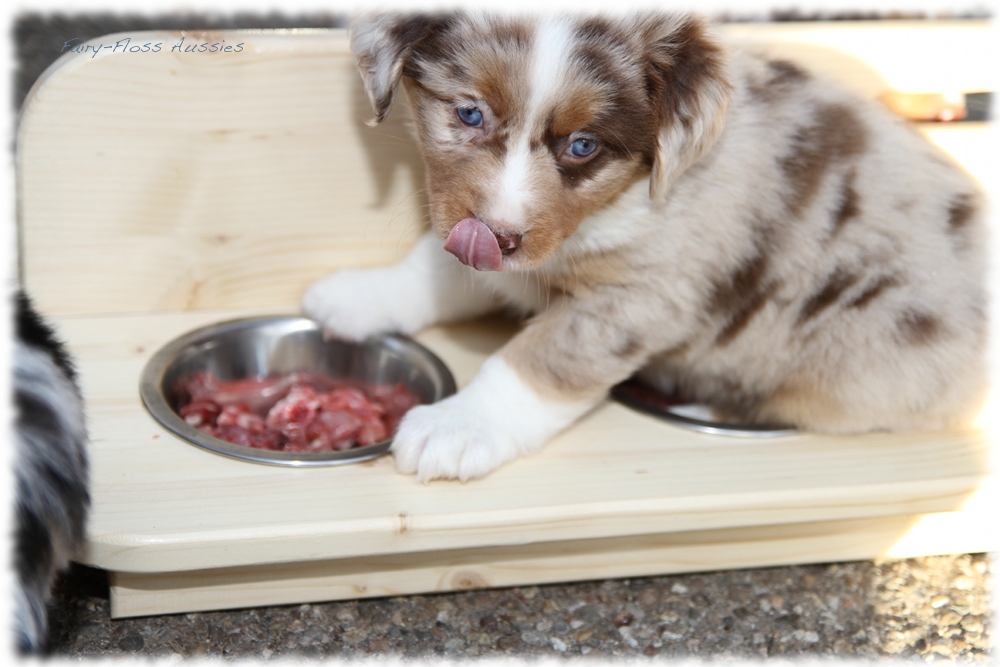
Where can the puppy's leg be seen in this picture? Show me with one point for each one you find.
(427, 287)
(545, 378)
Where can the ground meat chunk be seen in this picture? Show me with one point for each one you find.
(299, 412)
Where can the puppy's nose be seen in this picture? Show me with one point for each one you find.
(508, 242)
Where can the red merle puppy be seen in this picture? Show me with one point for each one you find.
(723, 223)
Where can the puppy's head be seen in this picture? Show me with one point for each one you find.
(528, 125)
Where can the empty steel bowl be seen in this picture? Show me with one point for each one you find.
(696, 417)
(268, 346)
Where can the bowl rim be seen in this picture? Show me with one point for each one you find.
(678, 418)
(154, 400)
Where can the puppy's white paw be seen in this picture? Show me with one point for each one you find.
(452, 440)
(353, 304)
(495, 419)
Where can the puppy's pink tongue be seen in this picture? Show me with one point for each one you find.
(475, 245)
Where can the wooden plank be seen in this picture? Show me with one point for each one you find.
(161, 504)
(166, 181)
(965, 531)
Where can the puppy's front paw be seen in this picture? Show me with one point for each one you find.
(353, 304)
(496, 418)
(452, 440)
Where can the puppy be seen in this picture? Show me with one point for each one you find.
(724, 224)
(50, 469)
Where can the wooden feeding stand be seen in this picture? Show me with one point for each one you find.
(160, 191)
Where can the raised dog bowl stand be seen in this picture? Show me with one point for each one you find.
(163, 191)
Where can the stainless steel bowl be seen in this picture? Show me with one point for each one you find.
(263, 346)
(693, 416)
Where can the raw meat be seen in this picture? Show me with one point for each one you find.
(299, 412)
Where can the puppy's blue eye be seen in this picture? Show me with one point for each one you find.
(582, 147)
(471, 116)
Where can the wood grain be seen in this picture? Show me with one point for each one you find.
(167, 182)
(139, 594)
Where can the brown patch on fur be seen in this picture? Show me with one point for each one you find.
(743, 294)
(419, 38)
(741, 318)
(510, 35)
(785, 71)
(731, 294)
(495, 89)
(961, 210)
(496, 143)
(680, 64)
(880, 286)
(402, 35)
(785, 76)
(581, 106)
(601, 31)
(689, 92)
(848, 203)
(495, 78)
(835, 135)
(598, 61)
(835, 285)
(450, 55)
(919, 328)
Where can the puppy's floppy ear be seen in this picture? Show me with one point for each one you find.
(381, 44)
(689, 92)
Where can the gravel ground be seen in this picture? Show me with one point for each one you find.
(934, 608)
(926, 608)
